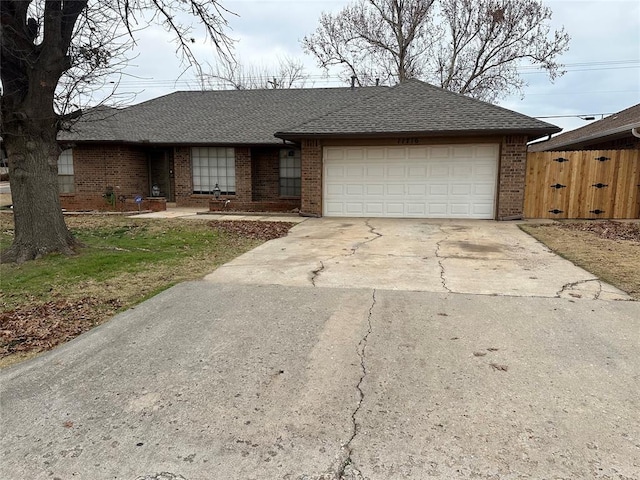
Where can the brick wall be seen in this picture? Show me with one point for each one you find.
(243, 174)
(311, 194)
(265, 174)
(98, 167)
(513, 163)
(183, 179)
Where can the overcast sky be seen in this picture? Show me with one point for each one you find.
(603, 62)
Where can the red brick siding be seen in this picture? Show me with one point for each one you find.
(243, 174)
(97, 167)
(311, 194)
(265, 174)
(183, 178)
(513, 163)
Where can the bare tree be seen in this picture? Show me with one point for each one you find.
(371, 39)
(473, 47)
(289, 73)
(51, 53)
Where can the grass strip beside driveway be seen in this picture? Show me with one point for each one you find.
(608, 249)
(124, 261)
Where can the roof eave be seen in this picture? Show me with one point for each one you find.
(587, 140)
(532, 134)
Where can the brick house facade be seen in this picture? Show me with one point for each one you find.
(256, 166)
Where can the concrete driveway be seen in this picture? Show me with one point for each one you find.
(229, 378)
(477, 257)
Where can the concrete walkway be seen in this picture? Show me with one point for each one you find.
(200, 214)
(476, 257)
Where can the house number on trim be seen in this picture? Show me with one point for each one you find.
(408, 141)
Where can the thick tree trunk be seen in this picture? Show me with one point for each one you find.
(39, 224)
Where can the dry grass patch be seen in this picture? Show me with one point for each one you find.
(608, 249)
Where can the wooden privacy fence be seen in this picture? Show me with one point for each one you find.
(583, 184)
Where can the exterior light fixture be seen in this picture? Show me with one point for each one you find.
(216, 191)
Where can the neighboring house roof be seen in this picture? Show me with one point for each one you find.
(252, 117)
(225, 117)
(415, 107)
(613, 127)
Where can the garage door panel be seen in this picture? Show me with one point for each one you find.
(375, 171)
(416, 209)
(356, 171)
(355, 189)
(447, 181)
(375, 208)
(417, 172)
(464, 152)
(334, 209)
(395, 190)
(373, 153)
(334, 172)
(459, 209)
(439, 152)
(375, 189)
(396, 171)
(394, 209)
(480, 190)
(396, 153)
(354, 208)
(438, 170)
(438, 189)
(355, 154)
(335, 189)
(418, 189)
(437, 209)
(459, 171)
(333, 154)
(461, 189)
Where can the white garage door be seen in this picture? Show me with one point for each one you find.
(444, 181)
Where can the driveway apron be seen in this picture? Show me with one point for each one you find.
(477, 257)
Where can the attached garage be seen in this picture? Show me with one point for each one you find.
(416, 151)
(437, 181)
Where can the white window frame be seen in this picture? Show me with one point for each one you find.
(211, 166)
(290, 173)
(66, 178)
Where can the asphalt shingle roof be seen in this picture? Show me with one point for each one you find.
(213, 117)
(617, 124)
(415, 107)
(252, 117)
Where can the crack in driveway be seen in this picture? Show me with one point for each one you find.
(315, 273)
(347, 467)
(443, 277)
(372, 230)
(570, 285)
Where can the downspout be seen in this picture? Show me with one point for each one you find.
(635, 132)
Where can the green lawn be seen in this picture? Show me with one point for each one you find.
(123, 262)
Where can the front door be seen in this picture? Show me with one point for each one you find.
(161, 177)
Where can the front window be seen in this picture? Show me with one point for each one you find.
(213, 166)
(65, 172)
(290, 177)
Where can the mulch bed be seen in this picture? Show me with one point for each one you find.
(37, 328)
(255, 230)
(608, 229)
